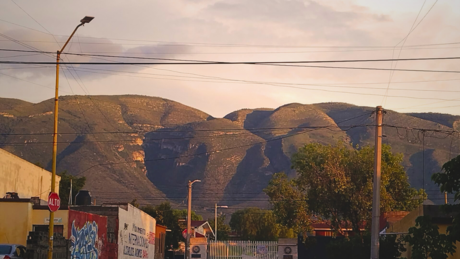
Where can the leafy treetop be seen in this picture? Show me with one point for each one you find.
(336, 182)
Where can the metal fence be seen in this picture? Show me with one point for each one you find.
(243, 250)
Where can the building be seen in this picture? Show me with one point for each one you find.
(160, 241)
(24, 178)
(438, 217)
(20, 216)
(107, 231)
(130, 231)
(201, 228)
(324, 229)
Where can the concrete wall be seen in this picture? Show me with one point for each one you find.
(17, 218)
(15, 226)
(112, 218)
(88, 236)
(136, 234)
(27, 179)
(42, 217)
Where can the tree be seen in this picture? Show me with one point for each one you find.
(257, 224)
(289, 203)
(64, 186)
(167, 216)
(135, 203)
(426, 241)
(223, 229)
(448, 181)
(336, 183)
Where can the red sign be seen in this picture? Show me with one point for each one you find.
(184, 233)
(54, 202)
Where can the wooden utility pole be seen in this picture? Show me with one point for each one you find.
(189, 217)
(189, 220)
(215, 223)
(377, 176)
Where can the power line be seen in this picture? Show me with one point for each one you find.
(256, 129)
(400, 50)
(147, 140)
(363, 68)
(236, 81)
(285, 85)
(243, 62)
(422, 129)
(225, 149)
(281, 63)
(347, 50)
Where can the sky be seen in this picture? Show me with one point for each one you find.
(234, 31)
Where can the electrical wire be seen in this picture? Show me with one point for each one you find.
(400, 50)
(281, 64)
(194, 62)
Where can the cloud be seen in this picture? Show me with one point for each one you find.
(27, 40)
(311, 18)
(237, 30)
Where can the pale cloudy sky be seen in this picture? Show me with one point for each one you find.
(239, 30)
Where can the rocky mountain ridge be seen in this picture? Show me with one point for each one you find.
(148, 147)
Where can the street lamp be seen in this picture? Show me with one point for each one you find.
(215, 219)
(189, 216)
(86, 19)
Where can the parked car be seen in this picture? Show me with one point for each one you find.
(12, 251)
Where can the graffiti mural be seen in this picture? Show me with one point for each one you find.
(84, 243)
(88, 236)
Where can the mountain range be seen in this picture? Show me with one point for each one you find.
(148, 148)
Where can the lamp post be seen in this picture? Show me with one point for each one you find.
(215, 220)
(189, 216)
(86, 19)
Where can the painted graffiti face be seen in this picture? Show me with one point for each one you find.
(84, 241)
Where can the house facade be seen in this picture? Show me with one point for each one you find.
(24, 178)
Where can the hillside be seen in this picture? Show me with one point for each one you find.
(148, 148)
(100, 137)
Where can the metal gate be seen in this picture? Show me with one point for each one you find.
(243, 250)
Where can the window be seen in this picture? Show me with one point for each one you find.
(5, 249)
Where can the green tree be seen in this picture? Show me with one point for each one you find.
(135, 203)
(167, 216)
(448, 181)
(64, 186)
(223, 230)
(257, 224)
(336, 183)
(426, 241)
(289, 203)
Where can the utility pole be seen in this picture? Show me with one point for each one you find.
(83, 21)
(215, 223)
(215, 220)
(189, 218)
(70, 194)
(377, 176)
